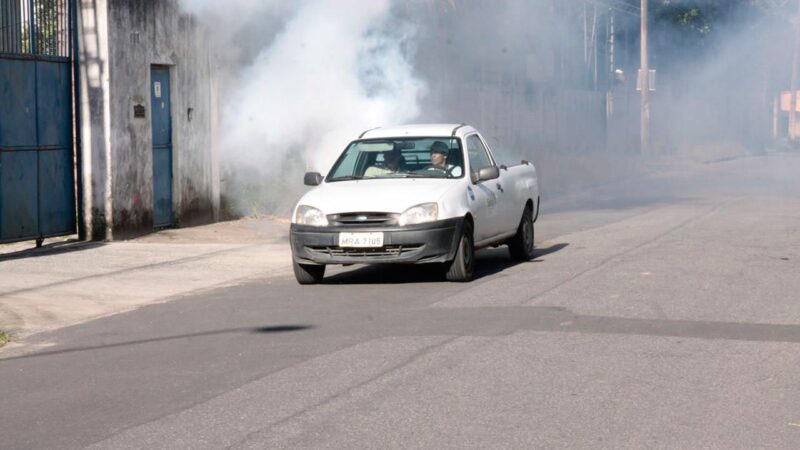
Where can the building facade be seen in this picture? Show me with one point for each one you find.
(147, 118)
(107, 120)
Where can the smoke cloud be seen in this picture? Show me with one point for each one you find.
(327, 70)
(550, 81)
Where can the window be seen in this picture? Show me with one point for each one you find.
(400, 158)
(478, 156)
(40, 27)
(346, 166)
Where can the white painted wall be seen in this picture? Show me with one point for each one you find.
(95, 118)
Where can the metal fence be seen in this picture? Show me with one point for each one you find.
(35, 27)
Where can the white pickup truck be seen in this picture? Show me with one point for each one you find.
(414, 194)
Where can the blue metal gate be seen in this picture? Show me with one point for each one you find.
(37, 189)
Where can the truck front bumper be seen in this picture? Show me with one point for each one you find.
(422, 243)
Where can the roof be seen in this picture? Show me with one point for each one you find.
(415, 130)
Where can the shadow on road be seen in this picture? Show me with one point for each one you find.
(539, 252)
(560, 319)
(55, 248)
(507, 320)
(489, 262)
(257, 330)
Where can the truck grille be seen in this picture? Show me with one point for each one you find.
(363, 218)
(388, 250)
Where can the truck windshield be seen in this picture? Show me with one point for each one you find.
(429, 157)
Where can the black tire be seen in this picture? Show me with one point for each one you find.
(307, 273)
(521, 245)
(462, 266)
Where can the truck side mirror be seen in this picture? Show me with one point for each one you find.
(312, 179)
(486, 173)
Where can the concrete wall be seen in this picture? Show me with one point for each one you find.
(136, 35)
(95, 119)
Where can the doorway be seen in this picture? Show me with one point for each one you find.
(162, 146)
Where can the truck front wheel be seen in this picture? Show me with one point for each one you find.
(308, 273)
(462, 266)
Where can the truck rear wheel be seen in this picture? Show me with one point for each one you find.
(308, 273)
(521, 245)
(462, 266)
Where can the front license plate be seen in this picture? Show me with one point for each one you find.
(363, 240)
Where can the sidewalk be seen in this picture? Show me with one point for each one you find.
(67, 282)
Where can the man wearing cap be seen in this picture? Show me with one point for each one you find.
(439, 152)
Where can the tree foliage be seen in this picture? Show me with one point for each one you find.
(687, 30)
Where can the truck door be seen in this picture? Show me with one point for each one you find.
(485, 204)
(509, 205)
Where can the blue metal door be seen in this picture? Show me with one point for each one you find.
(162, 146)
(37, 188)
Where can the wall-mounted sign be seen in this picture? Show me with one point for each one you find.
(157, 89)
(138, 111)
(651, 80)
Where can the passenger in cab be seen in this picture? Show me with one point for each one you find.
(392, 163)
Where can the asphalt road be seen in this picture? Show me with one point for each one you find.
(660, 312)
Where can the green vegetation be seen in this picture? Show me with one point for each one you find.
(4, 338)
(49, 22)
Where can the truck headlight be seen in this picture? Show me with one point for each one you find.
(308, 215)
(426, 212)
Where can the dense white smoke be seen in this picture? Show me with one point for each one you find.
(335, 69)
(299, 80)
(332, 69)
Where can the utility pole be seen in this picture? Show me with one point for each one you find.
(643, 80)
(611, 69)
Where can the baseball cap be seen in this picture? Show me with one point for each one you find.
(440, 147)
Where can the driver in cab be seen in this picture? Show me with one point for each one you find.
(439, 151)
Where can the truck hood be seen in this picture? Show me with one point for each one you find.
(381, 195)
